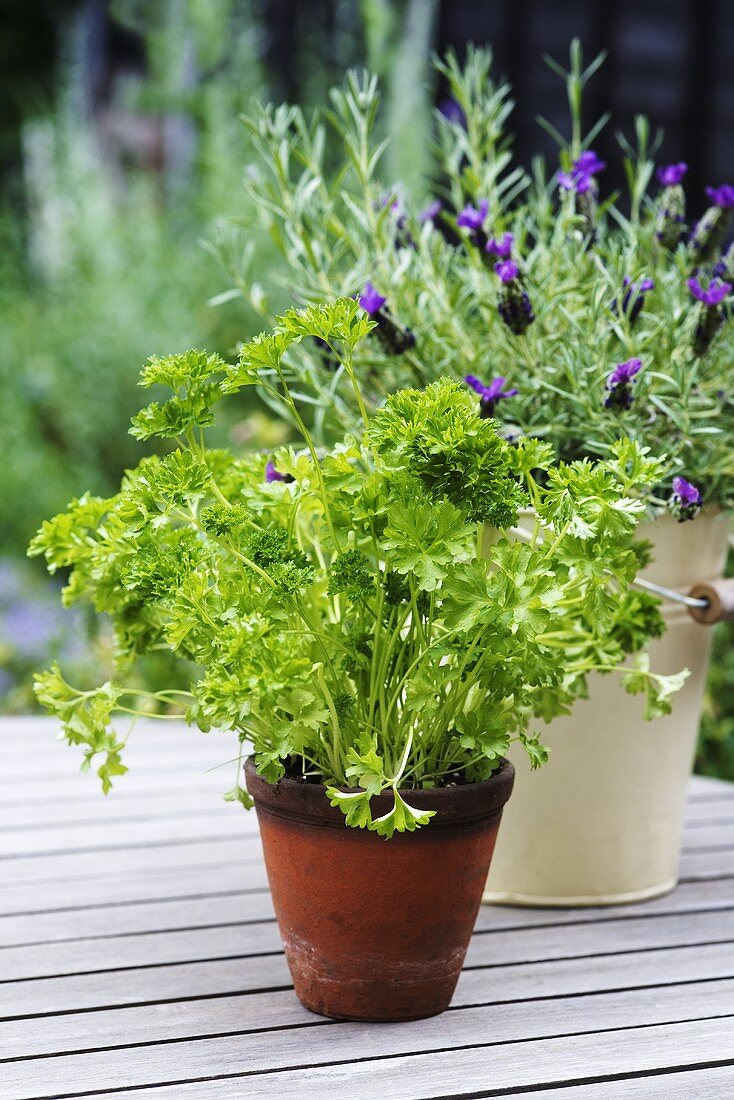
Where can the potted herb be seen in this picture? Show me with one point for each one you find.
(572, 316)
(342, 623)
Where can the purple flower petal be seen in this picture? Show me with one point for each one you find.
(502, 247)
(685, 491)
(624, 372)
(370, 300)
(507, 270)
(589, 163)
(713, 294)
(271, 474)
(672, 174)
(453, 111)
(432, 211)
(473, 218)
(491, 394)
(721, 196)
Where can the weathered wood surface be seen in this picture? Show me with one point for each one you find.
(139, 957)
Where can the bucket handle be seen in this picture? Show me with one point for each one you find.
(707, 603)
(718, 601)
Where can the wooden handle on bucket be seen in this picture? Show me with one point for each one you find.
(720, 601)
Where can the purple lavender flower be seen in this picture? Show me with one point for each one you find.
(431, 212)
(620, 383)
(671, 218)
(670, 175)
(473, 218)
(489, 395)
(589, 163)
(722, 196)
(633, 299)
(573, 181)
(371, 300)
(513, 305)
(724, 266)
(580, 180)
(453, 112)
(507, 270)
(713, 294)
(396, 208)
(394, 339)
(271, 474)
(685, 500)
(500, 247)
(581, 177)
(708, 236)
(710, 317)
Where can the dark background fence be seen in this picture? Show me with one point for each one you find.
(672, 59)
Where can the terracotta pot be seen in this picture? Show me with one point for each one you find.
(377, 929)
(601, 823)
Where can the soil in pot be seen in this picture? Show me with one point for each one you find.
(377, 929)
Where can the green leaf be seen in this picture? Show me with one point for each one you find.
(537, 752)
(402, 818)
(241, 795)
(355, 806)
(178, 370)
(366, 767)
(86, 720)
(658, 690)
(176, 416)
(349, 573)
(424, 539)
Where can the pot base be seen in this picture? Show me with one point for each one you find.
(363, 988)
(533, 901)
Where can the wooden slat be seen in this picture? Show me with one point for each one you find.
(705, 1083)
(707, 864)
(238, 907)
(215, 822)
(111, 837)
(706, 789)
(715, 1084)
(487, 948)
(44, 788)
(218, 861)
(506, 982)
(248, 1016)
(90, 809)
(224, 851)
(485, 1071)
(113, 888)
(248, 1054)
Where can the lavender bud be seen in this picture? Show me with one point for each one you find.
(710, 316)
(709, 234)
(620, 383)
(514, 305)
(633, 299)
(685, 500)
(490, 395)
(394, 339)
(671, 220)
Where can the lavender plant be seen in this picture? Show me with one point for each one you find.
(338, 606)
(576, 318)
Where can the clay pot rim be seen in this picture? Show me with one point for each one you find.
(455, 806)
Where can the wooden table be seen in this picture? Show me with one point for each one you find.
(140, 958)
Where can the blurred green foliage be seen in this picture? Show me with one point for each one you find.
(716, 746)
(105, 265)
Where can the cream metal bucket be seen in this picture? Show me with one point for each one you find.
(601, 823)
